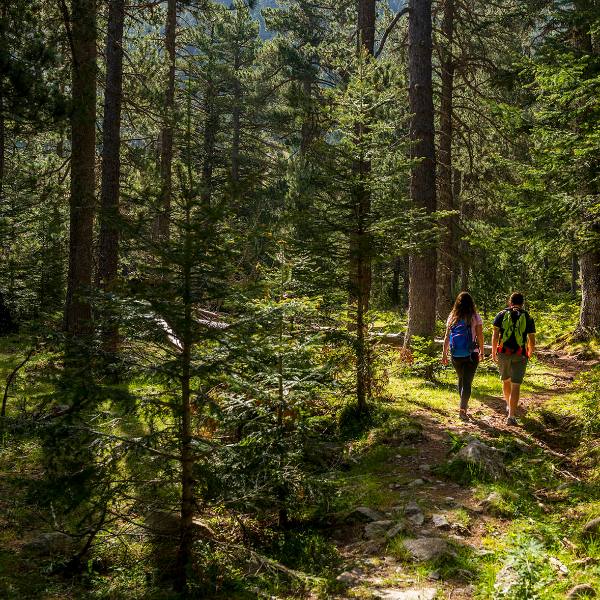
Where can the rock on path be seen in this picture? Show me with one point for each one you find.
(427, 548)
(583, 590)
(411, 594)
(487, 458)
(592, 528)
(377, 529)
(365, 514)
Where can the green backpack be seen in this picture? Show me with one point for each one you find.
(510, 326)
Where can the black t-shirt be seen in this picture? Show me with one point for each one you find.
(511, 342)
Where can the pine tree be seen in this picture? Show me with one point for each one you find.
(108, 246)
(446, 256)
(422, 293)
(161, 231)
(82, 26)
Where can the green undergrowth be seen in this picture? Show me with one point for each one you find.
(555, 319)
(372, 458)
(539, 507)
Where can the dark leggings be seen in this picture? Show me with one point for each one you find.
(465, 368)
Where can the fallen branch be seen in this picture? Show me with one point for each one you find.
(10, 378)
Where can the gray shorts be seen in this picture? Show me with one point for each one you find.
(512, 366)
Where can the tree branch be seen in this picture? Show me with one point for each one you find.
(389, 29)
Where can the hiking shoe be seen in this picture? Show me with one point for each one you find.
(511, 421)
(463, 416)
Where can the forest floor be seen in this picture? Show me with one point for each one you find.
(517, 534)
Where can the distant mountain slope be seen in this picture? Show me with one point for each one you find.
(260, 4)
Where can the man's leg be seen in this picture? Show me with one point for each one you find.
(506, 391)
(515, 393)
(519, 365)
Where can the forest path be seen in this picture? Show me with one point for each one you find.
(433, 506)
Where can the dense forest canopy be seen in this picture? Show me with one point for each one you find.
(224, 224)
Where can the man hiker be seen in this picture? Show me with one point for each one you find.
(513, 344)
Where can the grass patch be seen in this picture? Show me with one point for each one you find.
(397, 549)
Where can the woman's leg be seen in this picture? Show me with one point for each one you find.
(469, 369)
(458, 364)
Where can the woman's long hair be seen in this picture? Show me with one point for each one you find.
(463, 309)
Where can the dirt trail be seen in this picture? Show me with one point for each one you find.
(370, 573)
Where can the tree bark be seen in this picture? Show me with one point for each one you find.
(446, 255)
(456, 231)
(184, 555)
(574, 274)
(589, 316)
(210, 137)
(396, 270)
(307, 132)
(3, 26)
(589, 261)
(360, 238)
(78, 317)
(366, 25)
(2, 148)
(236, 121)
(211, 126)
(166, 135)
(108, 251)
(422, 293)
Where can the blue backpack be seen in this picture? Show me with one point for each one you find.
(461, 340)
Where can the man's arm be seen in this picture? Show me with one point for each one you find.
(530, 344)
(495, 338)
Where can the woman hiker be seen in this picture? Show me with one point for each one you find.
(464, 339)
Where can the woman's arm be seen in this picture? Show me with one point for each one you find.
(446, 346)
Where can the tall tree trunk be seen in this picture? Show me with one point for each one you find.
(236, 121)
(366, 25)
(307, 132)
(589, 316)
(421, 309)
(78, 322)
(184, 554)
(456, 235)
(574, 273)
(462, 245)
(2, 147)
(360, 238)
(445, 201)
(211, 126)
(589, 261)
(166, 135)
(108, 251)
(3, 26)
(396, 270)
